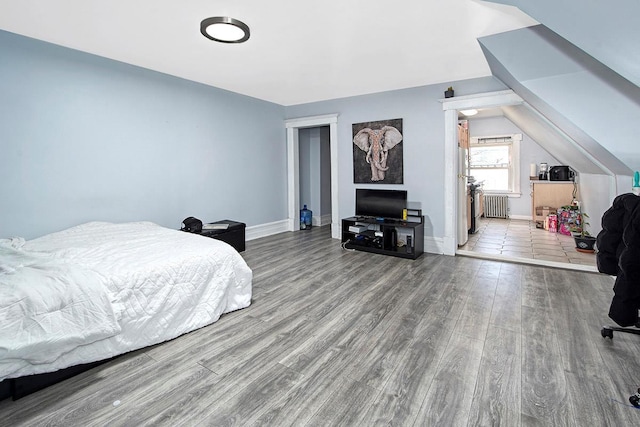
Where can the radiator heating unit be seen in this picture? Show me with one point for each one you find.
(496, 206)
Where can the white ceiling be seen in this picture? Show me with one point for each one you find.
(299, 51)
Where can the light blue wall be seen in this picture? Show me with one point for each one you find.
(86, 138)
(423, 144)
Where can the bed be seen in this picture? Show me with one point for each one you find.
(98, 290)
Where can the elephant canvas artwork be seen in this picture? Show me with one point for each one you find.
(377, 152)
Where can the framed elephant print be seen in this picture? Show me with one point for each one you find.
(377, 152)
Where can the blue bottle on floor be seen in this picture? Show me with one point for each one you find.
(305, 218)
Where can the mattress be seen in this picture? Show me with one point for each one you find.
(101, 289)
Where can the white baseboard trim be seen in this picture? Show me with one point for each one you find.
(319, 221)
(434, 245)
(264, 230)
(524, 217)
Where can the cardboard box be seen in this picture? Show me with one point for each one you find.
(545, 210)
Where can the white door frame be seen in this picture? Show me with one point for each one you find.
(293, 168)
(451, 107)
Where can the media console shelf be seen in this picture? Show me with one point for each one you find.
(399, 238)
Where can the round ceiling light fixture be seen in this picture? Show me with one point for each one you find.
(225, 30)
(471, 112)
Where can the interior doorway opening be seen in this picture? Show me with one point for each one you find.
(293, 168)
(452, 195)
(315, 174)
(453, 189)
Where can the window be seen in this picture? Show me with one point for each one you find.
(495, 160)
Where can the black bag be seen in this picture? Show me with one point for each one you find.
(192, 225)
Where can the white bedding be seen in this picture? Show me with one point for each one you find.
(100, 289)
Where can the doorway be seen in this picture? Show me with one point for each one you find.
(451, 154)
(293, 168)
(315, 173)
(451, 107)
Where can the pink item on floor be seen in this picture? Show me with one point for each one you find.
(564, 229)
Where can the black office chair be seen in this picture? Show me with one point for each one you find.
(607, 331)
(618, 254)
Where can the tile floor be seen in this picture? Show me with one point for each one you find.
(521, 238)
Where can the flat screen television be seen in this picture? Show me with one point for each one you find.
(380, 203)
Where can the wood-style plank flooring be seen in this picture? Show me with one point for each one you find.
(336, 337)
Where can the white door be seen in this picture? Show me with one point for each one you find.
(463, 167)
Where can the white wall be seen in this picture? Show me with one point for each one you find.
(595, 200)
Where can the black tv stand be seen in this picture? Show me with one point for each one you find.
(404, 239)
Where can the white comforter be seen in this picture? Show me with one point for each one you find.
(100, 289)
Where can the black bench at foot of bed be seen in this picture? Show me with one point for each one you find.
(17, 388)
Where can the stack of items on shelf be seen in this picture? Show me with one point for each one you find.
(412, 213)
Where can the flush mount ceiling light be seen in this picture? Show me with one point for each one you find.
(224, 30)
(467, 113)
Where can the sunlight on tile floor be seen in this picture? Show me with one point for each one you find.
(521, 238)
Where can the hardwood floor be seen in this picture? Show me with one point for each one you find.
(336, 337)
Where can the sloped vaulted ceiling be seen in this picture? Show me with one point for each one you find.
(607, 31)
(595, 107)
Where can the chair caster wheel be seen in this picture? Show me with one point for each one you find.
(635, 399)
(606, 332)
